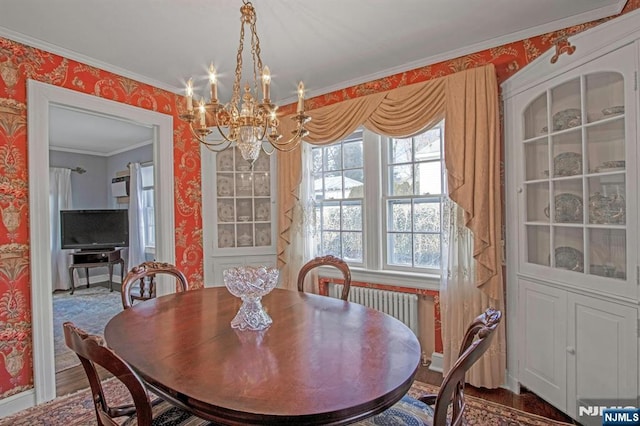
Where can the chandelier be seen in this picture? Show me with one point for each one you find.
(251, 125)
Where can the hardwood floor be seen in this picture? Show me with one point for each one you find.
(74, 379)
(526, 401)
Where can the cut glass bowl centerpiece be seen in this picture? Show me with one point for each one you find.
(250, 283)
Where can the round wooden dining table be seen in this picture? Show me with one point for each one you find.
(322, 361)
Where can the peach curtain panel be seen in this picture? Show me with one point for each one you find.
(472, 157)
(468, 101)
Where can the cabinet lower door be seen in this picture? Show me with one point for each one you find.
(602, 354)
(542, 359)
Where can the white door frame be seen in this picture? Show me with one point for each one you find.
(40, 97)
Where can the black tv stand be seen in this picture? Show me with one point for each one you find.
(96, 258)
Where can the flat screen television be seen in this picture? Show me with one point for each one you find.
(94, 229)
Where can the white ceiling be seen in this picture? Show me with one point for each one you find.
(329, 44)
(86, 132)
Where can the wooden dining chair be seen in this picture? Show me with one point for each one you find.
(327, 260)
(92, 351)
(139, 284)
(420, 411)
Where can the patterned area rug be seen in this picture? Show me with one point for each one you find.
(77, 409)
(88, 308)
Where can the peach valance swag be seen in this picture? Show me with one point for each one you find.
(468, 101)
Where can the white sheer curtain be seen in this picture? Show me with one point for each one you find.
(59, 199)
(461, 301)
(136, 217)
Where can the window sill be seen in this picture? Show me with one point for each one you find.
(395, 278)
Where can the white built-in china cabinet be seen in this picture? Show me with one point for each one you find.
(571, 142)
(239, 212)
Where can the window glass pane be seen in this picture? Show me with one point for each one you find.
(317, 160)
(333, 157)
(426, 216)
(428, 178)
(427, 250)
(400, 250)
(147, 176)
(331, 217)
(401, 151)
(331, 243)
(317, 219)
(352, 246)
(427, 145)
(332, 186)
(318, 186)
(354, 183)
(352, 217)
(401, 180)
(149, 218)
(353, 156)
(399, 216)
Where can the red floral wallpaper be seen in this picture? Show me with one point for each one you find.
(19, 63)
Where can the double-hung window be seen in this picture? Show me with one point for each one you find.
(378, 201)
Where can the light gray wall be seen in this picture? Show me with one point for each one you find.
(92, 190)
(88, 189)
(119, 162)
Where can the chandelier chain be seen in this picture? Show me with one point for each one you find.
(235, 98)
(255, 53)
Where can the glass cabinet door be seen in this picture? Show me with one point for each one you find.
(575, 176)
(244, 201)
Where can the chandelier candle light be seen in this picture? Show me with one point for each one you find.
(250, 124)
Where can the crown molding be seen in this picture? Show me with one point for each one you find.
(589, 44)
(70, 54)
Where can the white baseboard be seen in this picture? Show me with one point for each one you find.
(512, 384)
(436, 362)
(17, 402)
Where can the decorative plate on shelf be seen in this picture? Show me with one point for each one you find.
(569, 258)
(245, 240)
(610, 166)
(262, 211)
(568, 208)
(609, 210)
(224, 160)
(566, 119)
(567, 164)
(225, 212)
(263, 237)
(225, 186)
(614, 110)
(225, 238)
